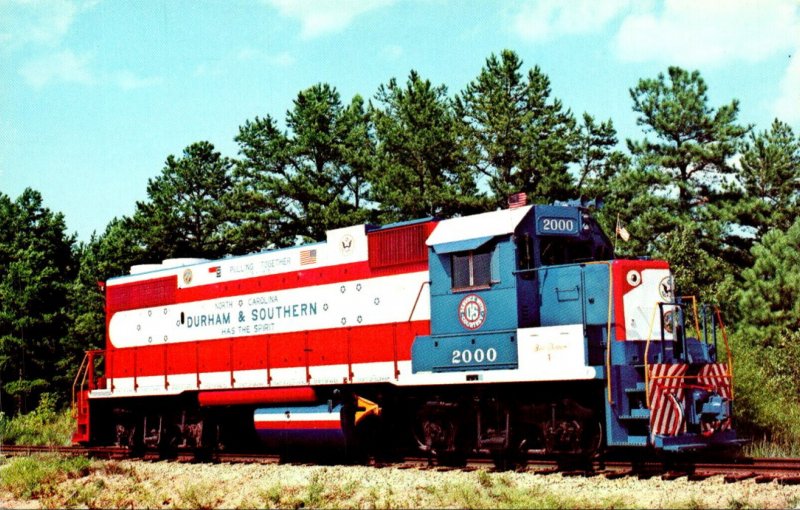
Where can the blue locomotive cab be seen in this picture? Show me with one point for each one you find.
(498, 274)
(533, 296)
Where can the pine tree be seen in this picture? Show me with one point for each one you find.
(598, 160)
(694, 142)
(36, 267)
(421, 167)
(186, 213)
(770, 180)
(675, 203)
(519, 138)
(311, 178)
(767, 339)
(106, 256)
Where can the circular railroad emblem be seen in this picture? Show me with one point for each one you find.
(669, 321)
(665, 288)
(346, 244)
(187, 276)
(472, 311)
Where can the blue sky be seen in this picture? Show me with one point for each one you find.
(95, 94)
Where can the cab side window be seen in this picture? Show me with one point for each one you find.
(472, 269)
(525, 256)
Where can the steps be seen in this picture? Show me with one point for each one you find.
(636, 414)
(633, 417)
(639, 388)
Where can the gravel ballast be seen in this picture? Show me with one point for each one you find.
(129, 484)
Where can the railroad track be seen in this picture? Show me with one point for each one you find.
(763, 470)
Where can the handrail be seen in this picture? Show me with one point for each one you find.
(696, 376)
(728, 376)
(727, 347)
(694, 309)
(610, 264)
(82, 369)
(608, 333)
(646, 357)
(416, 301)
(648, 379)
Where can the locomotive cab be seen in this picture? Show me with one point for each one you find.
(598, 348)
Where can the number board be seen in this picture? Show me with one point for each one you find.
(551, 225)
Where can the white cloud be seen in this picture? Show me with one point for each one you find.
(547, 19)
(787, 105)
(62, 66)
(709, 32)
(68, 67)
(320, 17)
(43, 22)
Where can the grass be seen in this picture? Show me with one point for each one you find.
(774, 448)
(39, 476)
(766, 404)
(198, 495)
(58, 482)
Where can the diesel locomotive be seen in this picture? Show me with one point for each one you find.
(507, 332)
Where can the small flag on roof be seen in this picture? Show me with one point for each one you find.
(517, 200)
(622, 232)
(308, 257)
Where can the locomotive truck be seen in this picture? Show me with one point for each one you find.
(507, 332)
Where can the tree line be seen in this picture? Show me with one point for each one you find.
(715, 197)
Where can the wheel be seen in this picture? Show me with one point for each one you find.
(440, 431)
(593, 439)
(513, 458)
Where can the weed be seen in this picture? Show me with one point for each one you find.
(247, 503)
(430, 489)
(737, 504)
(114, 468)
(273, 495)
(485, 479)
(469, 496)
(37, 476)
(504, 479)
(614, 502)
(198, 496)
(794, 502)
(509, 495)
(778, 446)
(75, 495)
(315, 491)
(43, 426)
(695, 504)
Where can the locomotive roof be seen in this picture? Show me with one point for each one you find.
(478, 226)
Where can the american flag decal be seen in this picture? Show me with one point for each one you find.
(517, 200)
(716, 377)
(666, 395)
(308, 257)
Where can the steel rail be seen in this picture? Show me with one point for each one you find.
(762, 469)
